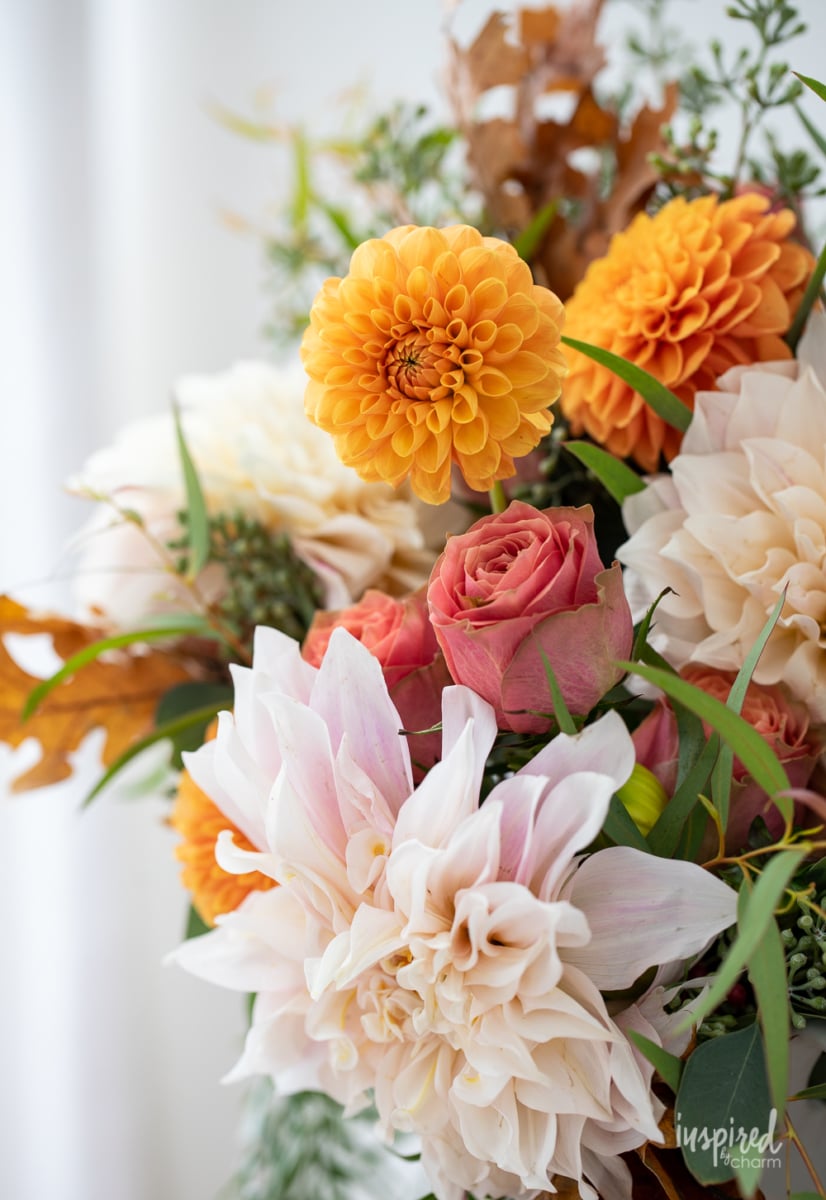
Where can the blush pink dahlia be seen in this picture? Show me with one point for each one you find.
(447, 959)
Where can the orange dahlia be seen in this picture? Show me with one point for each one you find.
(700, 287)
(437, 348)
(199, 821)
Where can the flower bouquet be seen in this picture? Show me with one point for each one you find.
(512, 827)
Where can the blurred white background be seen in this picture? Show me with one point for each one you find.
(118, 276)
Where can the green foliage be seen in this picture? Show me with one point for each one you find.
(724, 1087)
(300, 1147)
(755, 82)
(267, 583)
(803, 937)
(656, 395)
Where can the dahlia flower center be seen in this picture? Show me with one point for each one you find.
(411, 367)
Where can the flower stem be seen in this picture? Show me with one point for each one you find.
(498, 499)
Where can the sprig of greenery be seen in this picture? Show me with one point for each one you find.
(267, 582)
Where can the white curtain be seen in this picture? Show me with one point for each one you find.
(116, 277)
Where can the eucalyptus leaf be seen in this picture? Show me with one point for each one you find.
(615, 476)
(655, 394)
(723, 1097)
(767, 972)
(759, 914)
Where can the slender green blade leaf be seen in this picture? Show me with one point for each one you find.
(615, 476)
(723, 1090)
(816, 1092)
(758, 916)
(528, 241)
(621, 829)
(197, 519)
(168, 731)
(810, 295)
(754, 753)
(655, 394)
(665, 836)
(812, 130)
(91, 653)
(767, 972)
(196, 926)
(641, 636)
(816, 86)
(563, 718)
(721, 776)
(669, 1067)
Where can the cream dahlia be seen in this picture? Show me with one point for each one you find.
(444, 958)
(700, 287)
(256, 453)
(740, 518)
(437, 348)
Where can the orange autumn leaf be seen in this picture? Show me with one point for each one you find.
(119, 695)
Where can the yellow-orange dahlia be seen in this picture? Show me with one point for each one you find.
(199, 821)
(700, 287)
(437, 348)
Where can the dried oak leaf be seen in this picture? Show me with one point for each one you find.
(119, 695)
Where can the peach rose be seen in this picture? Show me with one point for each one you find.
(524, 582)
(399, 634)
(781, 722)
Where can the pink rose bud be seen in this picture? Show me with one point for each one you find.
(522, 584)
(399, 634)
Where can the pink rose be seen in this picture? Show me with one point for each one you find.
(399, 634)
(780, 721)
(519, 583)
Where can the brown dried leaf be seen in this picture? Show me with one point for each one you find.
(635, 175)
(491, 60)
(119, 695)
(661, 1174)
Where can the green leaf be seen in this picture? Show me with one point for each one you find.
(724, 1090)
(168, 731)
(816, 1092)
(767, 972)
(188, 698)
(665, 836)
(197, 519)
(752, 927)
(615, 476)
(621, 829)
(641, 636)
(812, 130)
(655, 394)
(89, 654)
(528, 241)
(669, 1067)
(754, 753)
(721, 777)
(807, 303)
(815, 85)
(563, 718)
(196, 926)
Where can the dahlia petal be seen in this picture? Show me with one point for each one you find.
(644, 911)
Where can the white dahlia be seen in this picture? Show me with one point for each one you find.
(443, 957)
(256, 453)
(740, 518)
